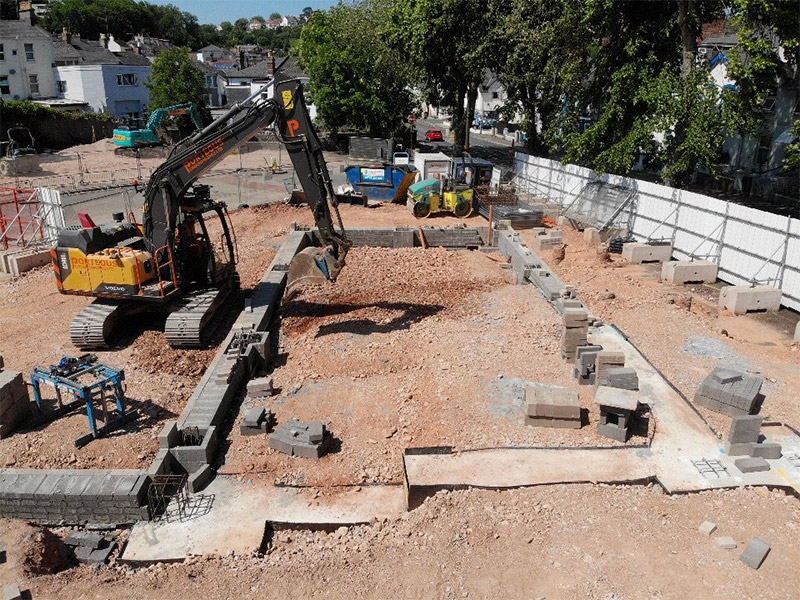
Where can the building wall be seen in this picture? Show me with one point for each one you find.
(97, 85)
(23, 68)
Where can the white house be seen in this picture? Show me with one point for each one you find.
(242, 83)
(491, 95)
(88, 71)
(212, 53)
(26, 61)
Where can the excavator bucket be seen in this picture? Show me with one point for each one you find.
(312, 266)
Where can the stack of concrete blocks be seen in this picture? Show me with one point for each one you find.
(295, 438)
(624, 378)
(730, 392)
(605, 361)
(552, 407)
(743, 435)
(382, 237)
(617, 407)
(741, 299)
(74, 496)
(574, 332)
(15, 405)
(256, 421)
(586, 364)
(260, 388)
(17, 261)
(90, 548)
(636, 253)
(689, 271)
(12, 592)
(547, 239)
(745, 439)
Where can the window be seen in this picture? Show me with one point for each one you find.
(127, 79)
(210, 81)
(34, 81)
(495, 95)
(5, 89)
(29, 52)
(62, 87)
(764, 150)
(2, 52)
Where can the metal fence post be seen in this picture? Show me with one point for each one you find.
(785, 251)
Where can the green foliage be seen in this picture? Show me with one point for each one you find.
(175, 80)
(123, 19)
(8, 9)
(26, 111)
(791, 155)
(275, 15)
(357, 81)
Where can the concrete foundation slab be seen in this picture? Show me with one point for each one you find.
(689, 271)
(246, 509)
(636, 253)
(741, 299)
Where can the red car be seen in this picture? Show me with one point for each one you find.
(434, 135)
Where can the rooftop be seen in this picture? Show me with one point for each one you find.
(289, 67)
(13, 29)
(91, 52)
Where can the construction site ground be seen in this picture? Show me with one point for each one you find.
(418, 348)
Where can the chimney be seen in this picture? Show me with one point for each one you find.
(103, 40)
(26, 11)
(64, 35)
(270, 63)
(241, 59)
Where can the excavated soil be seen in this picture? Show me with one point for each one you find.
(572, 542)
(410, 348)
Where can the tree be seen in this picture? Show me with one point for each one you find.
(357, 81)
(175, 80)
(447, 43)
(275, 16)
(8, 9)
(307, 12)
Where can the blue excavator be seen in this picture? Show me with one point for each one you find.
(127, 137)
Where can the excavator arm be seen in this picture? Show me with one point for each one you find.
(197, 154)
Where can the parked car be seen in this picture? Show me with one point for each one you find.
(434, 135)
(483, 122)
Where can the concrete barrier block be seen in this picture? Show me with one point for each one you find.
(689, 271)
(755, 553)
(637, 253)
(22, 262)
(741, 299)
(591, 235)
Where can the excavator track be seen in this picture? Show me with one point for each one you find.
(189, 324)
(95, 325)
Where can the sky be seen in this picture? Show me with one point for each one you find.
(216, 11)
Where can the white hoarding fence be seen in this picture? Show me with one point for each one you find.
(750, 246)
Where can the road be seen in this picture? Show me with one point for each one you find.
(497, 150)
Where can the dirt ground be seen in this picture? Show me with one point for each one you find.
(565, 542)
(681, 331)
(401, 353)
(404, 351)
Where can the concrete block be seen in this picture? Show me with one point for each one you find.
(767, 450)
(726, 375)
(591, 235)
(626, 400)
(552, 423)
(745, 429)
(637, 253)
(796, 338)
(552, 403)
(755, 552)
(84, 538)
(259, 387)
(576, 317)
(200, 479)
(739, 448)
(610, 431)
(707, 528)
(255, 416)
(25, 261)
(724, 542)
(751, 465)
(169, 436)
(12, 592)
(686, 271)
(100, 556)
(741, 299)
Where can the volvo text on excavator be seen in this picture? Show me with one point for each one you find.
(168, 262)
